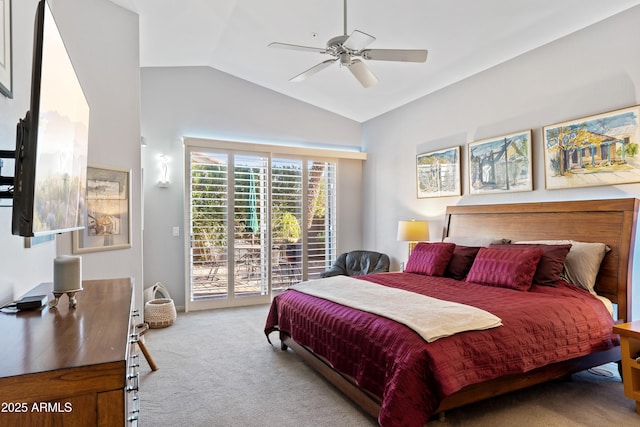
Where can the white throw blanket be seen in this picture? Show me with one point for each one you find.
(430, 317)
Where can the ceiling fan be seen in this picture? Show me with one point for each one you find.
(350, 51)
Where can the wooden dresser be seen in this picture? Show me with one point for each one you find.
(71, 366)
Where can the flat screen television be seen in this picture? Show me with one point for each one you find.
(51, 141)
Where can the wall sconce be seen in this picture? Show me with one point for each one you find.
(164, 171)
(413, 232)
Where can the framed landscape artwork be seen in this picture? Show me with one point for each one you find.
(438, 173)
(501, 164)
(108, 221)
(591, 151)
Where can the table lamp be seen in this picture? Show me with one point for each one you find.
(413, 232)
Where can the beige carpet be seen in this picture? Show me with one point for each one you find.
(217, 369)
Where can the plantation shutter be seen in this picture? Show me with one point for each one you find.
(209, 225)
(286, 221)
(321, 218)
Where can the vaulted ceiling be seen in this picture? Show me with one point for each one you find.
(463, 37)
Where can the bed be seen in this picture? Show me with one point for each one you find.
(398, 377)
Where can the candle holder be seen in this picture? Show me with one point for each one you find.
(67, 279)
(73, 301)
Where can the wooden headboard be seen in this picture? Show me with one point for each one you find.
(611, 221)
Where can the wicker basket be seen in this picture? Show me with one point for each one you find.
(160, 313)
(156, 291)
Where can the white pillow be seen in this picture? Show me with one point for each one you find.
(582, 263)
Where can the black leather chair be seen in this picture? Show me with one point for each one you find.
(357, 263)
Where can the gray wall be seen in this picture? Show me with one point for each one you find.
(107, 62)
(206, 103)
(589, 72)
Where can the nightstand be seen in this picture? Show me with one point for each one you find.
(630, 352)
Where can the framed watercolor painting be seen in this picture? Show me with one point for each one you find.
(591, 151)
(108, 219)
(438, 173)
(501, 164)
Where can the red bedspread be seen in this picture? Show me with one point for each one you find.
(542, 326)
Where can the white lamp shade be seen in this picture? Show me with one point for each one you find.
(413, 231)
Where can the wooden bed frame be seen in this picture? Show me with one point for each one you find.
(611, 221)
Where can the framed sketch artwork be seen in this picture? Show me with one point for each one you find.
(108, 218)
(438, 173)
(501, 164)
(595, 150)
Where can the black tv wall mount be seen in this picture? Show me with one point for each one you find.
(6, 180)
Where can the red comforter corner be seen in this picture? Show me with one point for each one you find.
(542, 326)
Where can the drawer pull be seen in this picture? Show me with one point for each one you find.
(134, 338)
(134, 361)
(135, 380)
(135, 403)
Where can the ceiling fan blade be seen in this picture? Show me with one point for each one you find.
(298, 47)
(311, 71)
(358, 41)
(406, 55)
(362, 73)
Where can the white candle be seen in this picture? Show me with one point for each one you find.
(67, 273)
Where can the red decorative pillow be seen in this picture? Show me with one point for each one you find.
(461, 261)
(430, 259)
(551, 264)
(505, 268)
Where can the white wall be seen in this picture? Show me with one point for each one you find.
(21, 268)
(203, 102)
(102, 40)
(592, 71)
(589, 72)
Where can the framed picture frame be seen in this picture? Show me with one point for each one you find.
(592, 151)
(438, 173)
(108, 207)
(501, 164)
(6, 52)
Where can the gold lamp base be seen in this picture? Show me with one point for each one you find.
(412, 246)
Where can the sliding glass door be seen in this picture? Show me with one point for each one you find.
(258, 223)
(228, 246)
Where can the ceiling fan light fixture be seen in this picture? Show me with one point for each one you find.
(350, 50)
